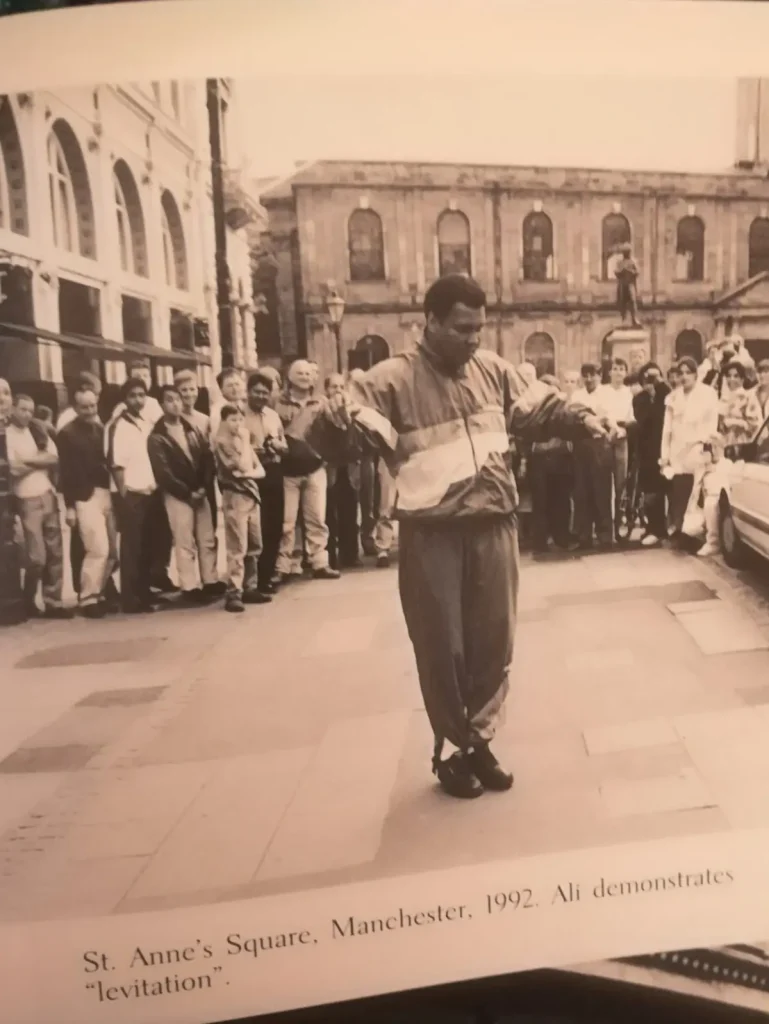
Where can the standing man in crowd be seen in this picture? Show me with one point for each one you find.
(649, 414)
(85, 487)
(265, 431)
(135, 482)
(33, 460)
(140, 370)
(187, 383)
(441, 414)
(615, 403)
(183, 465)
(592, 470)
(304, 475)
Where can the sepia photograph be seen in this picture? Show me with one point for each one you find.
(384, 526)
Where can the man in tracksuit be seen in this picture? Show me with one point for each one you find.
(441, 415)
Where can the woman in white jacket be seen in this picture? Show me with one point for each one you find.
(691, 418)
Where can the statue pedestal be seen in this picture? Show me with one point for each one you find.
(622, 341)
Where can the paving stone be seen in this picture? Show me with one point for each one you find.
(723, 629)
(133, 837)
(67, 758)
(706, 605)
(655, 732)
(755, 695)
(342, 636)
(163, 791)
(679, 792)
(104, 652)
(122, 698)
(19, 794)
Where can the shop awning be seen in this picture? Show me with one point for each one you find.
(100, 348)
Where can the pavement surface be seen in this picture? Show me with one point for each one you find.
(192, 756)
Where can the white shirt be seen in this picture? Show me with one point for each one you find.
(66, 417)
(151, 411)
(690, 420)
(129, 453)
(587, 398)
(21, 445)
(615, 403)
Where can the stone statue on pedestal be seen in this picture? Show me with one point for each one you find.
(626, 273)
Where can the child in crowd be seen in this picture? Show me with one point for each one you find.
(238, 470)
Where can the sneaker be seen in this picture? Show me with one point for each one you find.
(650, 541)
(256, 597)
(487, 769)
(327, 573)
(707, 550)
(383, 561)
(457, 779)
(234, 604)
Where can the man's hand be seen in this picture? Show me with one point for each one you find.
(70, 517)
(341, 411)
(198, 497)
(595, 428)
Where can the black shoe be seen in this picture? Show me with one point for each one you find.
(383, 561)
(268, 588)
(165, 586)
(193, 597)
(94, 611)
(326, 573)
(487, 769)
(457, 779)
(256, 597)
(215, 589)
(59, 613)
(234, 604)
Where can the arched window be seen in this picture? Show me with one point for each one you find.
(690, 249)
(132, 241)
(615, 231)
(454, 253)
(539, 349)
(689, 343)
(174, 247)
(758, 246)
(365, 239)
(537, 247)
(70, 193)
(13, 185)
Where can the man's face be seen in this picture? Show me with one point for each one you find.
(258, 397)
(637, 359)
(23, 412)
(617, 374)
(570, 382)
(591, 381)
(234, 423)
(135, 400)
(189, 393)
(652, 378)
(335, 385)
(6, 399)
(457, 338)
(232, 388)
(87, 406)
(172, 405)
(142, 373)
(302, 376)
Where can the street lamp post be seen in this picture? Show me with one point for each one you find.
(335, 307)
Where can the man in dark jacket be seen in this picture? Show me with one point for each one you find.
(649, 413)
(183, 465)
(84, 480)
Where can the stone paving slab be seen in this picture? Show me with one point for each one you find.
(654, 732)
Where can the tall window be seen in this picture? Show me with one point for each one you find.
(539, 349)
(615, 231)
(174, 247)
(758, 246)
(537, 247)
(454, 252)
(689, 343)
(366, 246)
(690, 249)
(62, 195)
(132, 242)
(13, 184)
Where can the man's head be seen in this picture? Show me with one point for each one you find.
(23, 410)
(570, 381)
(273, 375)
(301, 375)
(674, 377)
(637, 359)
(44, 413)
(232, 418)
(187, 383)
(134, 395)
(88, 381)
(171, 403)
(591, 376)
(455, 315)
(650, 376)
(230, 383)
(334, 385)
(140, 370)
(260, 385)
(86, 404)
(762, 370)
(617, 372)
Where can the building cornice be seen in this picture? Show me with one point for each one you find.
(154, 116)
(540, 307)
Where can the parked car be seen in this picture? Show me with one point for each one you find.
(744, 518)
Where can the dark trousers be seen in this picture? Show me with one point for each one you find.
(342, 520)
(136, 525)
(654, 509)
(271, 493)
(160, 543)
(76, 556)
(458, 586)
(592, 490)
(681, 487)
(550, 484)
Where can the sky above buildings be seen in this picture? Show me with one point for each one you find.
(684, 124)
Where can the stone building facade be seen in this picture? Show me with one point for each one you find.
(539, 241)
(107, 236)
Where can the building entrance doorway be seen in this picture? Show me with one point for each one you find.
(369, 350)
